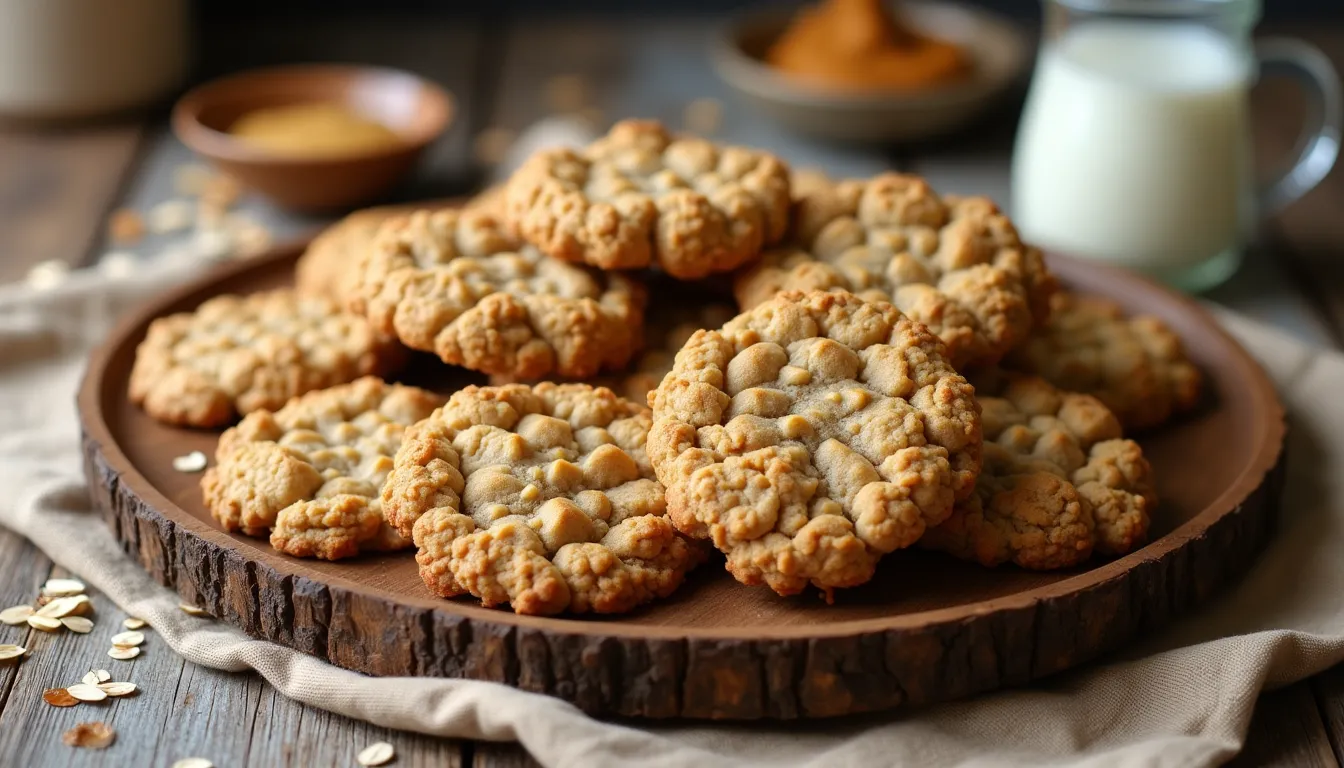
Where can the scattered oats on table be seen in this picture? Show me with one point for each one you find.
(123, 654)
(8, 651)
(77, 624)
(16, 615)
(63, 587)
(195, 461)
(377, 753)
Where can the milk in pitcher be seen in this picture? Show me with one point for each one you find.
(1134, 146)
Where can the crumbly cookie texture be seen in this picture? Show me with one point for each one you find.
(810, 436)
(309, 474)
(639, 197)
(666, 329)
(955, 264)
(456, 283)
(1135, 365)
(327, 267)
(237, 354)
(1058, 482)
(539, 497)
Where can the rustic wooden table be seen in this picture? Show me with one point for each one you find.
(56, 188)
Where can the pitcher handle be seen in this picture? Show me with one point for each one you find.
(1318, 147)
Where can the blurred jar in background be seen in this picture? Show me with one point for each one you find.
(68, 59)
(1134, 146)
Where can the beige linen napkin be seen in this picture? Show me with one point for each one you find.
(1183, 697)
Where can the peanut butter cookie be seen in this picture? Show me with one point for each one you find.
(1135, 365)
(955, 264)
(456, 283)
(1058, 482)
(310, 473)
(639, 197)
(540, 497)
(810, 436)
(236, 354)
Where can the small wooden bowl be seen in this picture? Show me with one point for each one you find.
(416, 109)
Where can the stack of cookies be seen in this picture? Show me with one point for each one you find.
(686, 352)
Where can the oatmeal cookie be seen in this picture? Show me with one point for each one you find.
(327, 267)
(540, 497)
(310, 473)
(456, 283)
(236, 354)
(639, 197)
(810, 436)
(1135, 365)
(955, 264)
(1058, 481)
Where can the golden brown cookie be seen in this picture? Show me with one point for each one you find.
(456, 283)
(812, 435)
(327, 266)
(236, 354)
(1135, 365)
(310, 473)
(1058, 481)
(639, 197)
(955, 264)
(540, 497)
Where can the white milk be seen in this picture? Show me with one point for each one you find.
(1134, 146)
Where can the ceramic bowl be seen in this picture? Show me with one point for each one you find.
(1001, 53)
(416, 109)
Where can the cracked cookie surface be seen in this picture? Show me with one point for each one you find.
(639, 197)
(1058, 483)
(955, 264)
(540, 497)
(328, 266)
(456, 283)
(1136, 365)
(309, 474)
(810, 436)
(235, 354)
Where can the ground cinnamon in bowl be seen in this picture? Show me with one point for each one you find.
(862, 45)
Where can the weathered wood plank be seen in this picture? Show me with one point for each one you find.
(488, 754)
(23, 569)
(55, 190)
(1329, 690)
(288, 734)
(1287, 731)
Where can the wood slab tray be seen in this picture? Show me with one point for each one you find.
(928, 628)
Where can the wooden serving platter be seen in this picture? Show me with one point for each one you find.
(928, 628)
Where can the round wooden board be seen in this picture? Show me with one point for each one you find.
(926, 629)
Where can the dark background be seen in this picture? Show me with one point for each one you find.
(1274, 10)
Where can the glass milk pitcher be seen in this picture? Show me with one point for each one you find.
(1134, 146)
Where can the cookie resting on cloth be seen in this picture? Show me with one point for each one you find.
(1058, 483)
(539, 497)
(810, 436)
(639, 197)
(955, 264)
(310, 473)
(236, 354)
(1136, 365)
(456, 283)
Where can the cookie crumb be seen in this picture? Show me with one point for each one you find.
(94, 735)
(377, 753)
(703, 116)
(191, 462)
(59, 697)
(125, 226)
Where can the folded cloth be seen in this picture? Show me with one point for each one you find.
(1182, 697)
